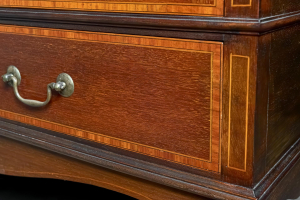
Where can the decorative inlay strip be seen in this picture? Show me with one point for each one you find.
(238, 111)
(238, 3)
(103, 139)
(200, 7)
(212, 48)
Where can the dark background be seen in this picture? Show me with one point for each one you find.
(20, 188)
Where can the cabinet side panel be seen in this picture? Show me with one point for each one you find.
(261, 115)
(285, 6)
(278, 7)
(284, 89)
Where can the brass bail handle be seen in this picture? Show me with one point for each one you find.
(64, 85)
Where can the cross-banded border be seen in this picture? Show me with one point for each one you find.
(201, 8)
(212, 48)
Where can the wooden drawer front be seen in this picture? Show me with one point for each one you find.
(173, 7)
(155, 96)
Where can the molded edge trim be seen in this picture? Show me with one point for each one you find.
(156, 173)
(278, 171)
(209, 24)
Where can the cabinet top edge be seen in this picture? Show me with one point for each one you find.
(243, 26)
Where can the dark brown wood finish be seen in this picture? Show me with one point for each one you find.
(242, 8)
(257, 76)
(239, 89)
(277, 119)
(92, 20)
(155, 173)
(19, 159)
(104, 156)
(269, 183)
(238, 103)
(262, 104)
(277, 7)
(284, 107)
(127, 103)
(284, 190)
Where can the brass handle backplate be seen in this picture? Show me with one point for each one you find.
(64, 86)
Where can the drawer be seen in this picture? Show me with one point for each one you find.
(159, 97)
(171, 7)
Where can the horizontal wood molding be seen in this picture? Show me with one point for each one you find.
(115, 142)
(214, 49)
(91, 21)
(178, 179)
(198, 7)
(201, 185)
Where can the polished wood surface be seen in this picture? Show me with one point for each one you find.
(277, 127)
(138, 102)
(283, 118)
(104, 157)
(195, 181)
(288, 188)
(155, 25)
(203, 104)
(238, 105)
(174, 7)
(277, 7)
(238, 108)
(242, 8)
(19, 159)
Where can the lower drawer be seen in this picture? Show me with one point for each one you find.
(159, 97)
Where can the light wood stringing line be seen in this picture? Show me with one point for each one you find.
(241, 5)
(96, 137)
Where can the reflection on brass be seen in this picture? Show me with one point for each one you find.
(64, 86)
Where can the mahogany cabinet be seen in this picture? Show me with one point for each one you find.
(157, 99)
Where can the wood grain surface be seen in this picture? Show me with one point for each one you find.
(20, 159)
(213, 188)
(242, 8)
(278, 7)
(277, 124)
(174, 7)
(284, 106)
(262, 103)
(208, 28)
(197, 181)
(241, 3)
(239, 108)
(155, 96)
